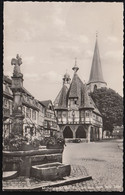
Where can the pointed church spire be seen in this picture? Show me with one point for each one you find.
(75, 68)
(96, 69)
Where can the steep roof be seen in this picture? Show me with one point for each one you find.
(45, 102)
(63, 97)
(79, 90)
(76, 90)
(74, 87)
(94, 106)
(27, 92)
(56, 101)
(96, 69)
(86, 103)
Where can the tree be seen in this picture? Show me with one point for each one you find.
(110, 104)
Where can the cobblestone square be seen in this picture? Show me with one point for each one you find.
(102, 160)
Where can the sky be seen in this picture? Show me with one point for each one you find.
(50, 35)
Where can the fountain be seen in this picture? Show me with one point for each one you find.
(43, 163)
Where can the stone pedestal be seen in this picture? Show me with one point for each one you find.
(17, 84)
(17, 125)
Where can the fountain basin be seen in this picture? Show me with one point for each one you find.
(22, 161)
(50, 171)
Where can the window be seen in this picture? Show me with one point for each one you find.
(87, 114)
(25, 97)
(82, 114)
(45, 124)
(28, 99)
(23, 110)
(52, 115)
(95, 87)
(28, 112)
(48, 115)
(50, 107)
(34, 115)
(64, 114)
(50, 123)
(59, 114)
(10, 107)
(54, 124)
(75, 101)
(5, 103)
(42, 109)
(47, 132)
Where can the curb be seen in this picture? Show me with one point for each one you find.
(68, 181)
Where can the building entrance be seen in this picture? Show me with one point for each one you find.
(67, 133)
(80, 133)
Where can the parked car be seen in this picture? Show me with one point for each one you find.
(77, 140)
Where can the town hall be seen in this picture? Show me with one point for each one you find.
(77, 114)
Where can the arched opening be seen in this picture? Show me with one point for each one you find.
(67, 133)
(80, 133)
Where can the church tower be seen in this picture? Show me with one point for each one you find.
(96, 76)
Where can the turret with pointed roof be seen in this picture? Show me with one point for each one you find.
(76, 92)
(96, 79)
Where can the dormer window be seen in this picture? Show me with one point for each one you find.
(95, 87)
(50, 107)
(27, 98)
(75, 101)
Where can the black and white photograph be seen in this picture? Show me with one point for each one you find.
(62, 96)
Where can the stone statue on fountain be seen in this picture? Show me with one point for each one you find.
(16, 62)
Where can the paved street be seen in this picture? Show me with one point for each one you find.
(102, 160)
